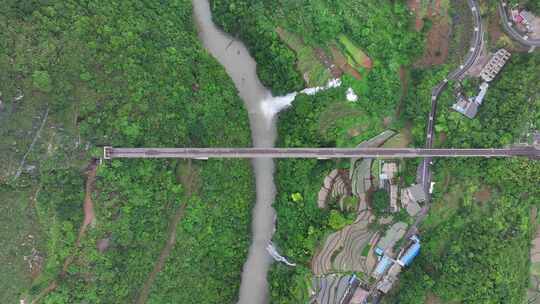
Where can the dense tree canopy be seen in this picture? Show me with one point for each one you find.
(129, 74)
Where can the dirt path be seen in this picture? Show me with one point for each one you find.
(89, 217)
(171, 240)
(88, 205)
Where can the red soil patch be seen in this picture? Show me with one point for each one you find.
(414, 6)
(341, 62)
(432, 299)
(483, 195)
(436, 51)
(88, 205)
(368, 63)
(442, 137)
(328, 63)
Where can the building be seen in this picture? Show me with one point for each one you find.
(389, 279)
(393, 198)
(527, 18)
(386, 283)
(410, 254)
(483, 90)
(360, 296)
(389, 171)
(351, 290)
(465, 106)
(382, 267)
(495, 64)
(411, 197)
(395, 270)
(469, 106)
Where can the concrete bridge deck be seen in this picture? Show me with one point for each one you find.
(320, 153)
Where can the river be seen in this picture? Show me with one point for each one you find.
(262, 107)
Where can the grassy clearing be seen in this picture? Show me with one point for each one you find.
(344, 116)
(313, 71)
(442, 210)
(356, 57)
(365, 250)
(400, 140)
(535, 269)
(18, 223)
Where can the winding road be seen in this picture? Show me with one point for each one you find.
(474, 52)
(508, 27)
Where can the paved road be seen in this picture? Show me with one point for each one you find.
(474, 52)
(321, 153)
(508, 27)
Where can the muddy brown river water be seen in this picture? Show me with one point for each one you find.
(241, 67)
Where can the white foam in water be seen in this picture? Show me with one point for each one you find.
(273, 105)
(351, 95)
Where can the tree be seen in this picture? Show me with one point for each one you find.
(42, 81)
(380, 202)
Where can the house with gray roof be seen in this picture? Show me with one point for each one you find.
(469, 106)
(411, 197)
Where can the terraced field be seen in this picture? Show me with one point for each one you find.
(336, 185)
(330, 289)
(342, 250)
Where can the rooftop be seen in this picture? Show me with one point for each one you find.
(416, 193)
(413, 208)
(466, 107)
(495, 64)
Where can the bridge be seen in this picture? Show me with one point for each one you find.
(319, 153)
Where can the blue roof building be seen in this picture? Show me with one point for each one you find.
(383, 266)
(411, 253)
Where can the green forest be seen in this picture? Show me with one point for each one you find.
(319, 22)
(77, 75)
(122, 74)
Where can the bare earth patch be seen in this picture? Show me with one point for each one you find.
(483, 195)
(341, 62)
(433, 299)
(414, 6)
(438, 37)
